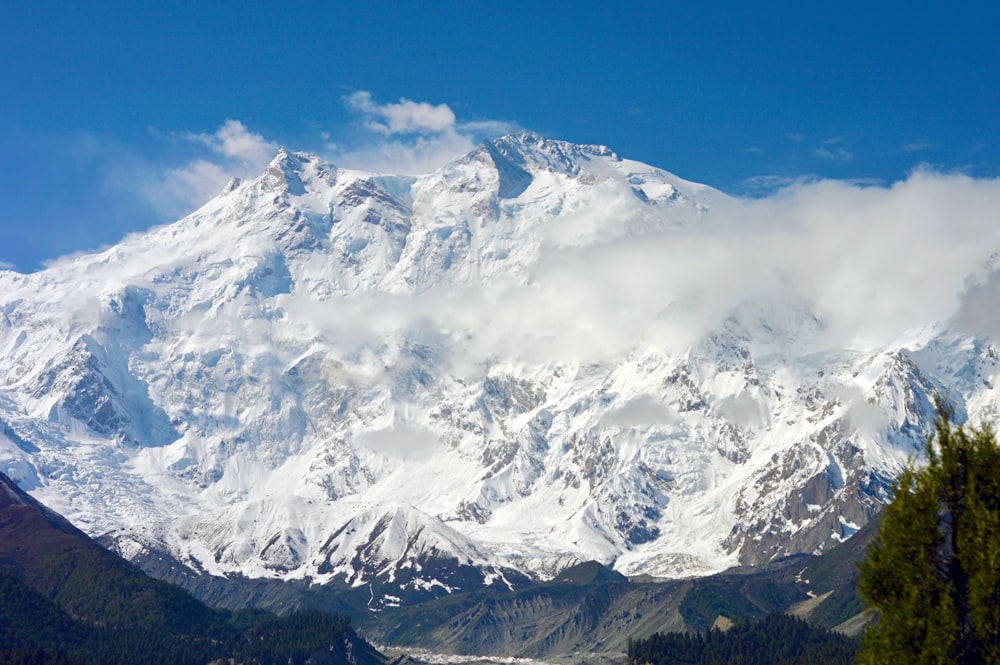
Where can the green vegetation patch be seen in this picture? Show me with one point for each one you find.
(778, 639)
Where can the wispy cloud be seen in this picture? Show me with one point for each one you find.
(406, 137)
(403, 117)
(916, 146)
(831, 149)
(189, 169)
(865, 182)
(868, 262)
(833, 154)
(765, 185)
(641, 411)
(234, 141)
(234, 151)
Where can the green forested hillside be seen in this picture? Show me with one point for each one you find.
(64, 599)
(777, 639)
(33, 628)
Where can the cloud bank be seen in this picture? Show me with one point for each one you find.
(818, 266)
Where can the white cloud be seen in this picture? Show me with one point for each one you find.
(193, 184)
(400, 441)
(870, 262)
(875, 260)
(209, 162)
(979, 311)
(743, 410)
(916, 146)
(411, 156)
(642, 411)
(834, 155)
(406, 116)
(867, 417)
(407, 137)
(235, 152)
(235, 141)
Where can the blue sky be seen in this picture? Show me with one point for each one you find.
(118, 116)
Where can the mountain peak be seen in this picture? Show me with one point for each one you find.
(231, 186)
(588, 572)
(528, 141)
(519, 157)
(288, 170)
(528, 149)
(288, 160)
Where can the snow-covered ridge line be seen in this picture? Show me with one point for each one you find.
(413, 384)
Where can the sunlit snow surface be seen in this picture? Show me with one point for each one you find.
(512, 361)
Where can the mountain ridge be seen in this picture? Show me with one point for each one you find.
(320, 350)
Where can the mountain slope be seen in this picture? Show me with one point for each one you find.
(589, 609)
(409, 387)
(60, 562)
(62, 593)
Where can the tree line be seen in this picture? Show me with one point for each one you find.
(777, 639)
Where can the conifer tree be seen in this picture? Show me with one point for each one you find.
(933, 573)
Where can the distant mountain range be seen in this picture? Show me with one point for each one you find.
(403, 388)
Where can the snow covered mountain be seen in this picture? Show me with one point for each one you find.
(412, 384)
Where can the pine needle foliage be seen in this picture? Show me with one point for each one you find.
(932, 575)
